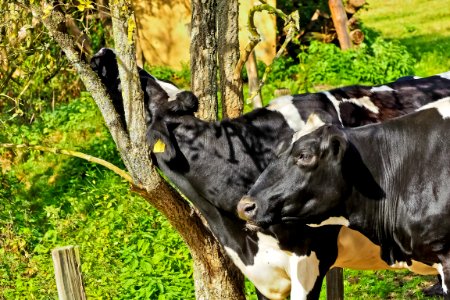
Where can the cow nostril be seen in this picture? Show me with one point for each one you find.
(246, 209)
(249, 208)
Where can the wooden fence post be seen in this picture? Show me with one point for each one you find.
(335, 284)
(66, 262)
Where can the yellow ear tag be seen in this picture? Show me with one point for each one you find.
(159, 146)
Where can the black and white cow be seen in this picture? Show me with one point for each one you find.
(390, 181)
(215, 163)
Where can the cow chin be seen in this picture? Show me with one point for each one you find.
(262, 223)
(290, 220)
(252, 226)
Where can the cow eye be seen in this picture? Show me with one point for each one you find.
(306, 159)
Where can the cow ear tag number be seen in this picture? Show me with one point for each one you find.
(159, 146)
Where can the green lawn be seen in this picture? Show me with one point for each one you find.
(422, 26)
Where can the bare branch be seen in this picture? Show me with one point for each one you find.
(123, 30)
(54, 21)
(291, 26)
(81, 155)
(254, 37)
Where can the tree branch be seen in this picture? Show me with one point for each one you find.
(291, 26)
(72, 153)
(123, 31)
(54, 21)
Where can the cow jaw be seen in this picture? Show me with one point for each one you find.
(332, 221)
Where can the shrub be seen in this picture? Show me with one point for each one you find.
(377, 62)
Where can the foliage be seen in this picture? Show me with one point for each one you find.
(34, 74)
(380, 63)
(128, 249)
(32, 69)
(325, 66)
(305, 8)
(181, 78)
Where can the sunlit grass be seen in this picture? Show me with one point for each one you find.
(422, 26)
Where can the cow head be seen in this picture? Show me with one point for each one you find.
(163, 114)
(104, 63)
(162, 99)
(304, 184)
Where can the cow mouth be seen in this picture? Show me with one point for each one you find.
(258, 225)
(252, 226)
(288, 220)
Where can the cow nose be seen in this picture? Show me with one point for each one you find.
(246, 208)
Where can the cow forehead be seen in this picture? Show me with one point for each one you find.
(313, 123)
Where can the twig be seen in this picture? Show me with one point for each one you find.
(84, 156)
(291, 27)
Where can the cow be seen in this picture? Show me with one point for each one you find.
(389, 181)
(215, 163)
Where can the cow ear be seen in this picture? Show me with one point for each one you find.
(185, 103)
(334, 143)
(158, 138)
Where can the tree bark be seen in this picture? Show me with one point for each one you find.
(228, 56)
(227, 282)
(215, 276)
(340, 23)
(203, 59)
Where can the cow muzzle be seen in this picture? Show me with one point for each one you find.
(247, 208)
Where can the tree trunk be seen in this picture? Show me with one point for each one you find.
(253, 80)
(215, 276)
(204, 57)
(228, 56)
(340, 23)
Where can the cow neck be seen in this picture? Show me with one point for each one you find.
(372, 165)
(261, 129)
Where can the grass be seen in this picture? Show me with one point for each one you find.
(422, 26)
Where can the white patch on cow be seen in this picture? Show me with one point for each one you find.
(332, 221)
(304, 271)
(400, 265)
(416, 267)
(364, 102)
(381, 88)
(440, 270)
(269, 272)
(313, 122)
(284, 106)
(442, 106)
(445, 75)
(335, 103)
(170, 89)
